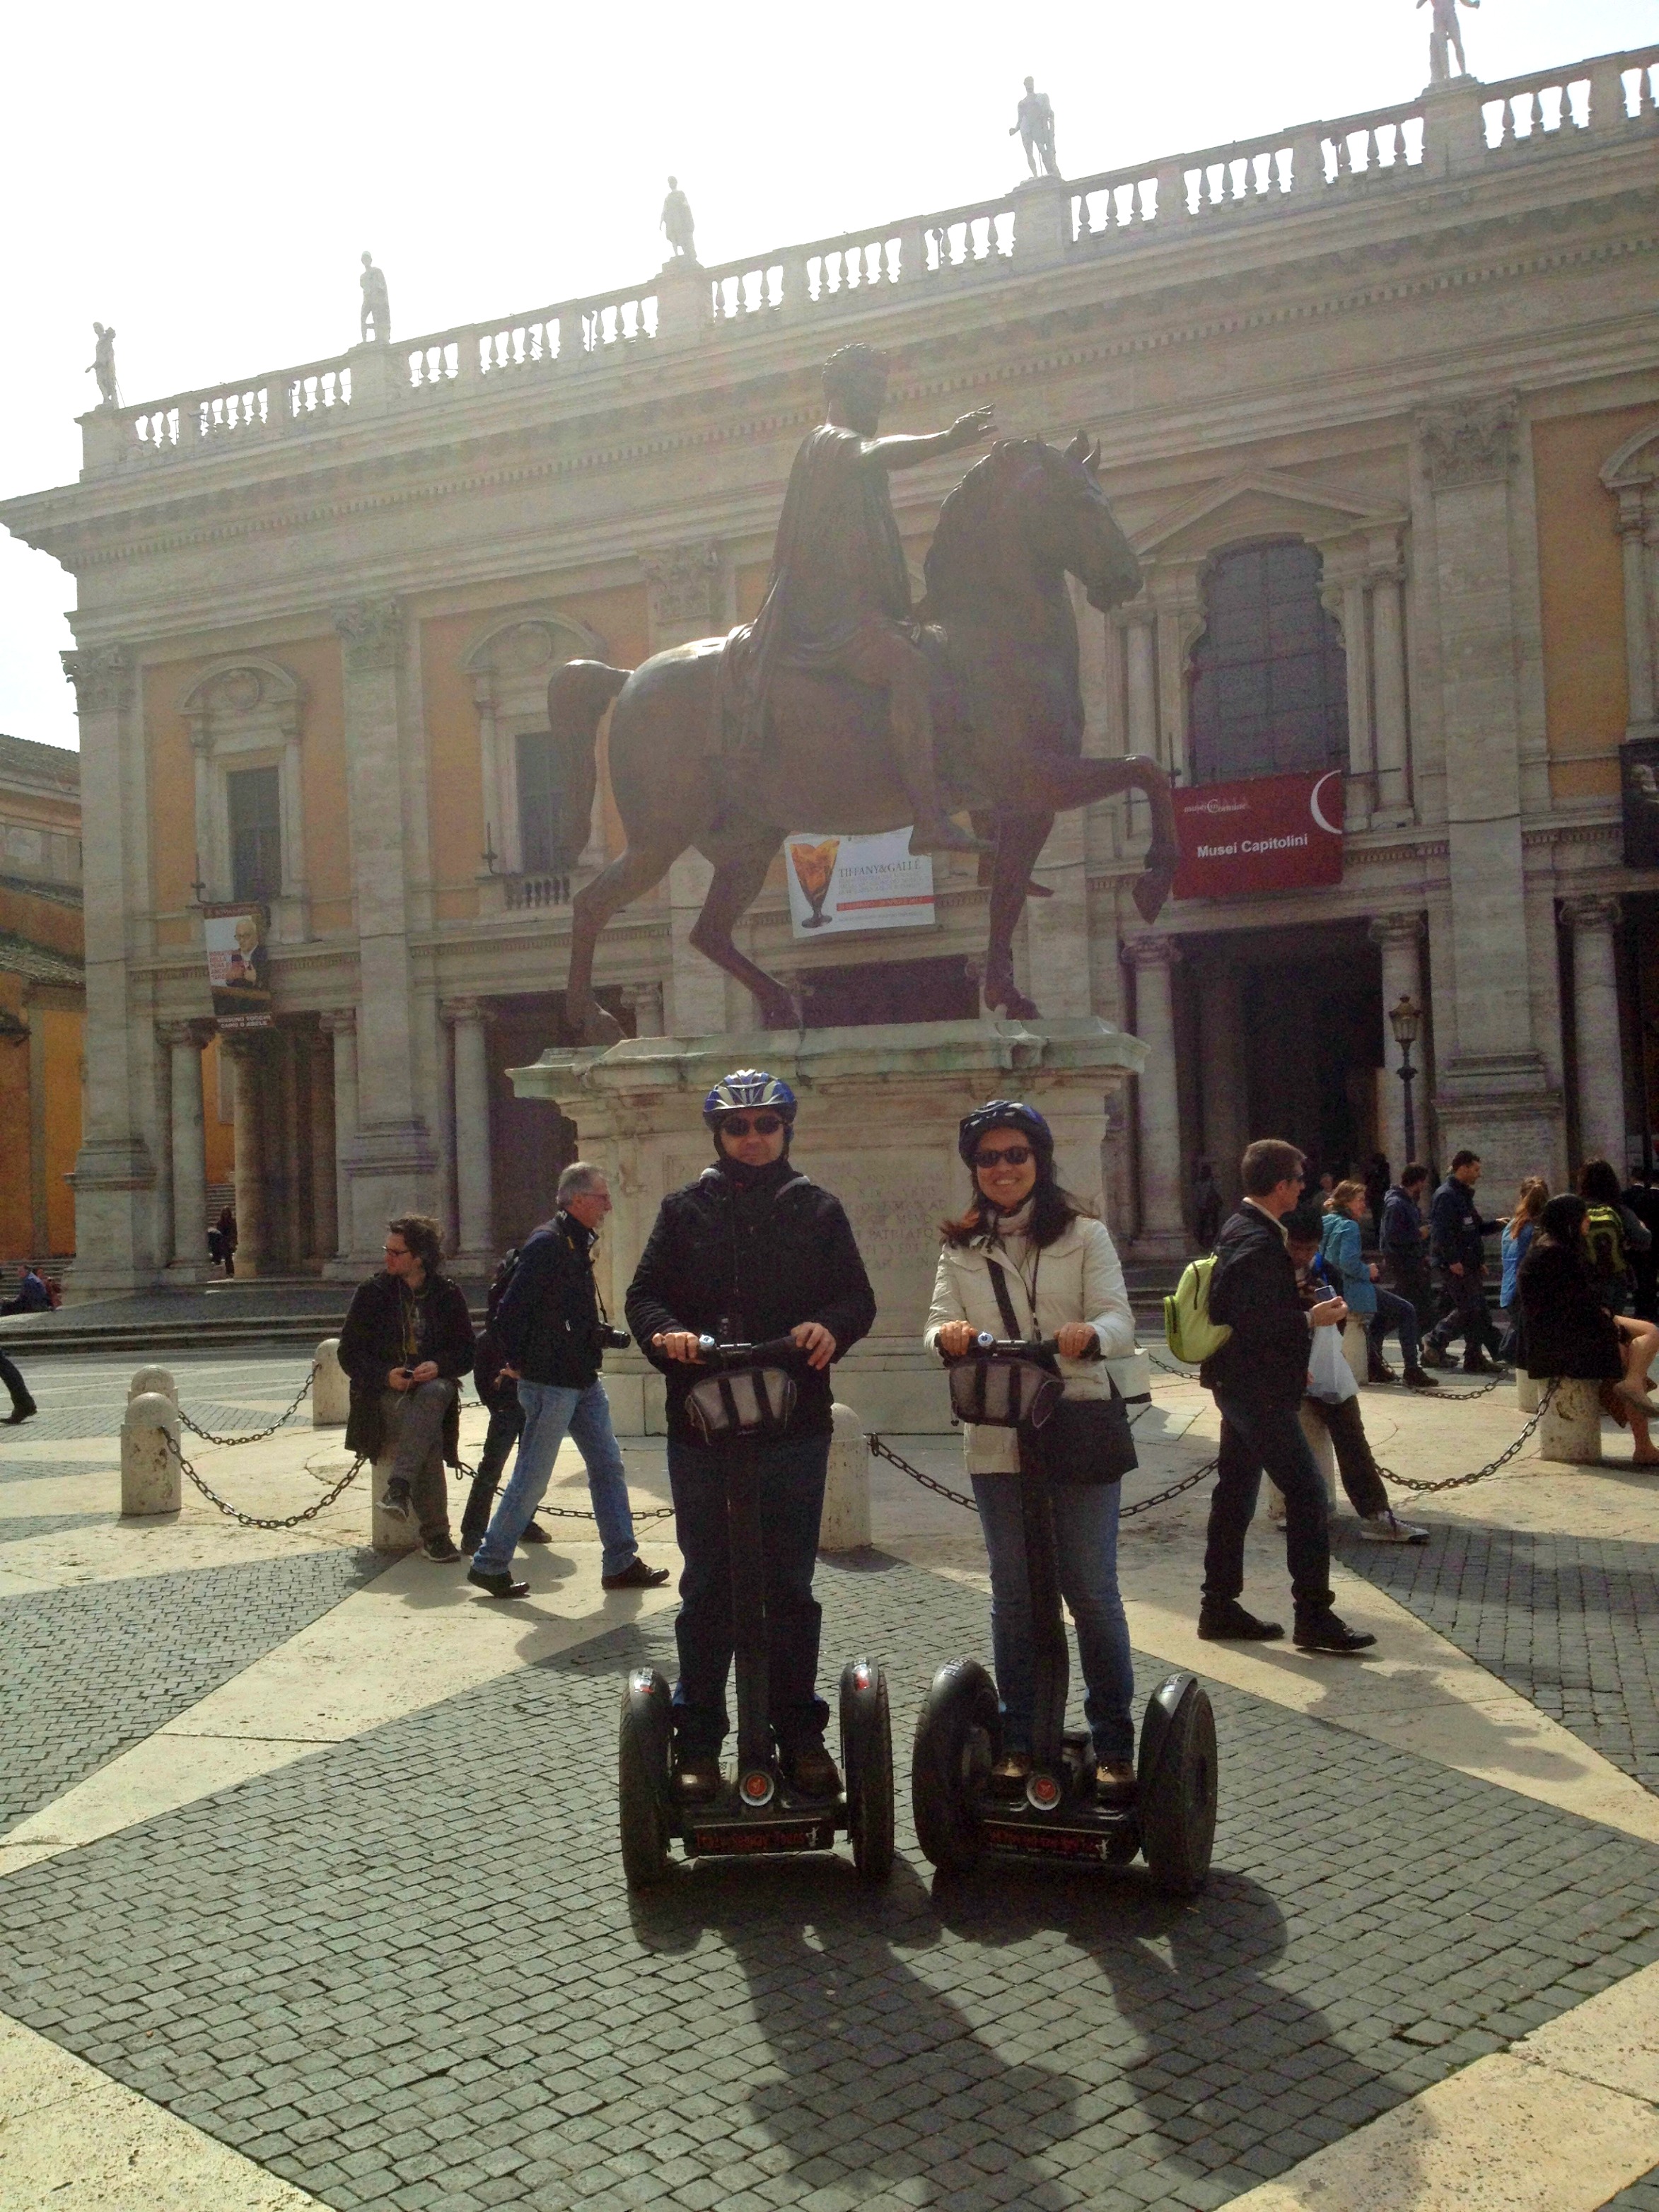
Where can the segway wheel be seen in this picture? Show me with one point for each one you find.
(866, 1750)
(958, 1738)
(642, 1775)
(1178, 1776)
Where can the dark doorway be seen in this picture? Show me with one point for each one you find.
(531, 1141)
(854, 996)
(1313, 1033)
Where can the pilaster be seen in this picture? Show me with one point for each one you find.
(1593, 922)
(1162, 1225)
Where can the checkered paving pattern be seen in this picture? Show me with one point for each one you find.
(87, 1670)
(15, 1531)
(405, 1972)
(1641, 2196)
(1560, 1619)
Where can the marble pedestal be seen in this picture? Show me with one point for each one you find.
(879, 1108)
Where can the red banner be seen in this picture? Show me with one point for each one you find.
(1273, 833)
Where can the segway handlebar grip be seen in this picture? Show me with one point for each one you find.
(714, 1353)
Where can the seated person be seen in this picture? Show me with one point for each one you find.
(1567, 1330)
(1305, 1228)
(1355, 1280)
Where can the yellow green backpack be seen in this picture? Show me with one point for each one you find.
(1188, 1329)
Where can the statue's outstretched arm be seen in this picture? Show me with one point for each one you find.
(904, 452)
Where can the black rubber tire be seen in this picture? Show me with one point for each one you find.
(959, 1738)
(866, 1750)
(1178, 1786)
(642, 1778)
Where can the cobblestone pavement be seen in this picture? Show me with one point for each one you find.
(87, 1670)
(1641, 2196)
(405, 1972)
(1559, 1618)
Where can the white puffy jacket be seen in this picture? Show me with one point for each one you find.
(1079, 1277)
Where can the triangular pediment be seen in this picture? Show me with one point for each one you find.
(1262, 503)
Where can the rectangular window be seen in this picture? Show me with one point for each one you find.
(540, 798)
(255, 802)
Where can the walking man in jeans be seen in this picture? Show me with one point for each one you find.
(550, 1327)
(1258, 1377)
(1456, 1229)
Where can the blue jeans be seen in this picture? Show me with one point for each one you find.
(792, 1477)
(1400, 1315)
(1086, 1538)
(551, 1409)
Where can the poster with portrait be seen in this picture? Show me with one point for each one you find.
(238, 966)
(874, 882)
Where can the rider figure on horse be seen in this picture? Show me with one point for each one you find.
(838, 599)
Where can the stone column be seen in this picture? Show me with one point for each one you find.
(645, 1001)
(340, 1025)
(1221, 1038)
(1139, 626)
(247, 1065)
(324, 1199)
(474, 1193)
(184, 1041)
(1601, 1132)
(1399, 937)
(1162, 1229)
(1638, 628)
(393, 1164)
(120, 1244)
(1362, 756)
(1389, 676)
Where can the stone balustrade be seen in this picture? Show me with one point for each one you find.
(1456, 127)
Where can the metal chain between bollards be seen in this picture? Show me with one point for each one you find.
(884, 1450)
(259, 1521)
(575, 1512)
(1480, 1473)
(1440, 1397)
(254, 1436)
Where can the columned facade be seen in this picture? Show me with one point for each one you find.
(1157, 1127)
(1600, 1055)
(184, 1041)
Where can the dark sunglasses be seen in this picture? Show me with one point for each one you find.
(1015, 1156)
(740, 1125)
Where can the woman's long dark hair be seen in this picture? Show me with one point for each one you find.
(1561, 1222)
(1598, 1182)
(1053, 1210)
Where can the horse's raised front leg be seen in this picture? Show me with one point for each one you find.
(737, 879)
(627, 878)
(1020, 840)
(1051, 781)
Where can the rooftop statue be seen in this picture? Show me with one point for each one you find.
(1036, 130)
(677, 225)
(724, 744)
(102, 366)
(1445, 38)
(375, 321)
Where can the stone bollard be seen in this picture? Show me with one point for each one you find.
(385, 1532)
(846, 1525)
(1571, 1429)
(1357, 1348)
(1324, 1452)
(331, 1391)
(149, 1460)
(1528, 1391)
(152, 1378)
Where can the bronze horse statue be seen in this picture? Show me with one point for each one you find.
(1007, 715)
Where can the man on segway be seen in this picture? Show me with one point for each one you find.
(751, 1252)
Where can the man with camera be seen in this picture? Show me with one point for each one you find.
(554, 1335)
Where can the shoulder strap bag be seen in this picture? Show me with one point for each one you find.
(1085, 1440)
(999, 1389)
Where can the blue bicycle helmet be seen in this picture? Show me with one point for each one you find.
(745, 1090)
(1005, 1113)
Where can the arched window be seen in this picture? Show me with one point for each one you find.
(1269, 678)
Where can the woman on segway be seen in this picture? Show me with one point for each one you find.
(1025, 1260)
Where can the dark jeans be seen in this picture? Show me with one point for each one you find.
(1254, 1438)
(792, 1477)
(506, 1427)
(1466, 1316)
(1354, 1460)
(20, 1400)
(1410, 1279)
(1398, 1315)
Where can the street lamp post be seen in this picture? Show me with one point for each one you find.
(1406, 1019)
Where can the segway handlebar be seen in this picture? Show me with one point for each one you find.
(1036, 1347)
(781, 1351)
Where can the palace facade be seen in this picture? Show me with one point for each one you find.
(1378, 405)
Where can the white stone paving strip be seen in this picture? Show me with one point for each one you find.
(1559, 2122)
(73, 2139)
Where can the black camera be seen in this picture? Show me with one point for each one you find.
(607, 1339)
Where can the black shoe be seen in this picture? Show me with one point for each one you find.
(636, 1576)
(470, 1539)
(810, 1769)
(440, 1548)
(1116, 1784)
(697, 1776)
(19, 1414)
(396, 1501)
(534, 1534)
(1479, 1366)
(1227, 1622)
(498, 1585)
(1323, 1632)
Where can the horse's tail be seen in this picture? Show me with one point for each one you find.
(577, 697)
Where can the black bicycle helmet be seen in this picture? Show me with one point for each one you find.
(1005, 1113)
(744, 1090)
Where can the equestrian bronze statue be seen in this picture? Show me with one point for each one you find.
(841, 709)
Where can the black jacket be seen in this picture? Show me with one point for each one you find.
(1402, 1236)
(1456, 1227)
(375, 1339)
(548, 1318)
(1253, 1289)
(757, 1253)
(1564, 1327)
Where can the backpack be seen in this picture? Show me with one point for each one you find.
(505, 1271)
(1188, 1331)
(1604, 1234)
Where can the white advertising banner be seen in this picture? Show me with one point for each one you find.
(857, 882)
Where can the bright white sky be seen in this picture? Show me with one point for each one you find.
(207, 182)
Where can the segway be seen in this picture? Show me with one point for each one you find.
(747, 1397)
(959, 1731)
